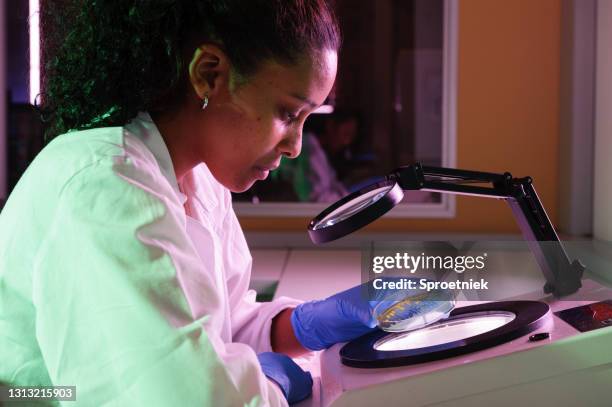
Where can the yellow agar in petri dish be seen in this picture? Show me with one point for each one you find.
(415, 311)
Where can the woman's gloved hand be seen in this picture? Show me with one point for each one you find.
(295, 383)
(344, 316)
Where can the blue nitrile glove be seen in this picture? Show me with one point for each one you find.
(344, 316)
(295, 383)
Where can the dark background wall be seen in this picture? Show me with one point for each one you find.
(18, 49)
(24, 128)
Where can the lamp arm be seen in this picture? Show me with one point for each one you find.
(563, 277)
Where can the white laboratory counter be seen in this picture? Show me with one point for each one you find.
(568, 368)
(307, 275)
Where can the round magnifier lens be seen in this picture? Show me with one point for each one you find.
(447, 331)
(354, 211)
(352, 207)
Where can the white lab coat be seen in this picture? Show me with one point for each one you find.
(107, 284)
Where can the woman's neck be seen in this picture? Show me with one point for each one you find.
(174, 129)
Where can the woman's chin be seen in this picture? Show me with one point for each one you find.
(236, 183)
(246, 182)
(241, 185)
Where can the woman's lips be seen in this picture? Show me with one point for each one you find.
(261, 174)
(270, 167)
(262, 171)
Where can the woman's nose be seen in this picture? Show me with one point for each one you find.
(292, 144)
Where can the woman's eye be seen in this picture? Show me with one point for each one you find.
(289, 117)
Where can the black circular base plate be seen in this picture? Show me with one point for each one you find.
(530, 316)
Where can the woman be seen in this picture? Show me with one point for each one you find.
(123, 269)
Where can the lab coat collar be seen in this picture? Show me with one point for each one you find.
(143, 127)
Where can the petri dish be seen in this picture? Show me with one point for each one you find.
(447, 331)
(413, 310)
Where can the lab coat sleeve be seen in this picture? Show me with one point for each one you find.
(111, 317)
(251, 320)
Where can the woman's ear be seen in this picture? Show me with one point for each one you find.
(209, 70)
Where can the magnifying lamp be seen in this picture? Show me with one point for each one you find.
(563, 277)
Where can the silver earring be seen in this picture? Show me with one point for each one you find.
(205, 101)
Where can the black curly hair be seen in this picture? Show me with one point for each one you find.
(106, 60)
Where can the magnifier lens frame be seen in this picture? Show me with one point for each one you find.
(340, 226)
